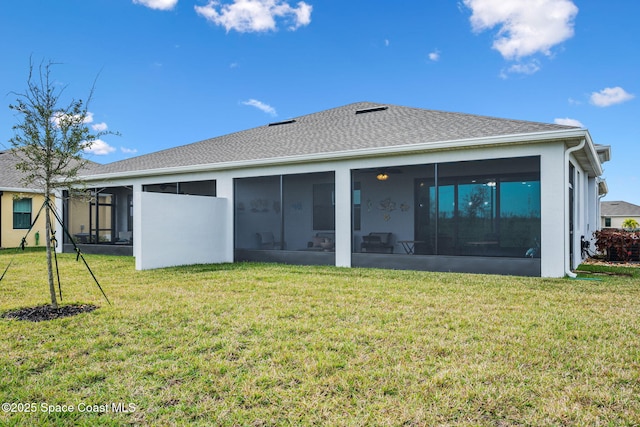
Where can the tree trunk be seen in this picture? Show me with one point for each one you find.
(52, 287)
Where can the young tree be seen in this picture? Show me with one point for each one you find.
(49, 140)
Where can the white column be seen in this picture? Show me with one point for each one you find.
(137, 224)
(552, 194)
(58, 203)
(224, 189)
(343, 216)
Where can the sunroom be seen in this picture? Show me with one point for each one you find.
(101, 219)
(477, 215)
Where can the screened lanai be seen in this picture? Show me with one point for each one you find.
(286, 213)
(482, 208)
(401, 216)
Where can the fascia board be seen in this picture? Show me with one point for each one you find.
(458, 144)
(594, 159)
(20, 190)
(603, 188)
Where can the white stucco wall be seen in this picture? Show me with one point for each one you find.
(616, 221)
(202, 227)
(178, 229)
(553, 213)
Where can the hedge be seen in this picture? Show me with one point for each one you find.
(618, 245)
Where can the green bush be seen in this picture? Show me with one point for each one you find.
(619, 245)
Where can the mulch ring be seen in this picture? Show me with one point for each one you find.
(47, 312)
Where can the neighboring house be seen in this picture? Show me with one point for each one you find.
(363, 185)
(19, 206)
(614, 213)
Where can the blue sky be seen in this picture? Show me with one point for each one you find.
(172, 72)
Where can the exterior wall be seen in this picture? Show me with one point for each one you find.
(554, 242)
(593, 205)
(181, 230)
(552, 195)
(11, 237)
(587, 215)
(343, 216)
(616, 221)
(553, 215)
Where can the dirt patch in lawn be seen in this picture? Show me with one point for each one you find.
(47, 312)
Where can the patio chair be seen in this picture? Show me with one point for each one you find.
(377, 242)
(266, 240)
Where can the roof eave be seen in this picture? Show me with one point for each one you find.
(20, 190)
(603, 188)
(458, 144)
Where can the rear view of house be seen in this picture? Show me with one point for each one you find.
(362, 185)
(614, 213)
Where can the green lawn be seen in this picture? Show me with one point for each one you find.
(262, 345)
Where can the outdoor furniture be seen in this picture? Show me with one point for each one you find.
(266, 240)
(322, 241)
(409, 246)
(124, 238)
(82, 237)
(377, 242)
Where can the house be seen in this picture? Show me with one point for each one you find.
(614, 213)
(362, 185)
(19, 206)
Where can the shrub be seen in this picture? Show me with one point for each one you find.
(618, 245)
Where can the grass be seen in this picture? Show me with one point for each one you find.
(262, 345)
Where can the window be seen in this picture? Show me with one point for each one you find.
(324, 207)
(357, 206)
(22, 213)
(607, 222)
(194, 188)
(284, 212)
(475, 208)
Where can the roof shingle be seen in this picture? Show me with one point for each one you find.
(332, 131)
(619, 208)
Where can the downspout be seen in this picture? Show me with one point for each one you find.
(600, 196)
(1, 193)
(567, 154)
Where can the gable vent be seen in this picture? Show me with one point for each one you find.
(372, 109)
(284, 122)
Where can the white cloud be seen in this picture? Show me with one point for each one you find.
(88, 118)
(99, 127)
(528, 68)
(128, 150)
(261, 106)
(526, 27)
(71, 119)
(99, 148)
(247, 16)
(157, 4)
(568, 122)
(434, 56)
(610, 96)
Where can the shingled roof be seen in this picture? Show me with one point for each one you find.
(11, 178)
(9, 175)
(619, 208)
(357, 126)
